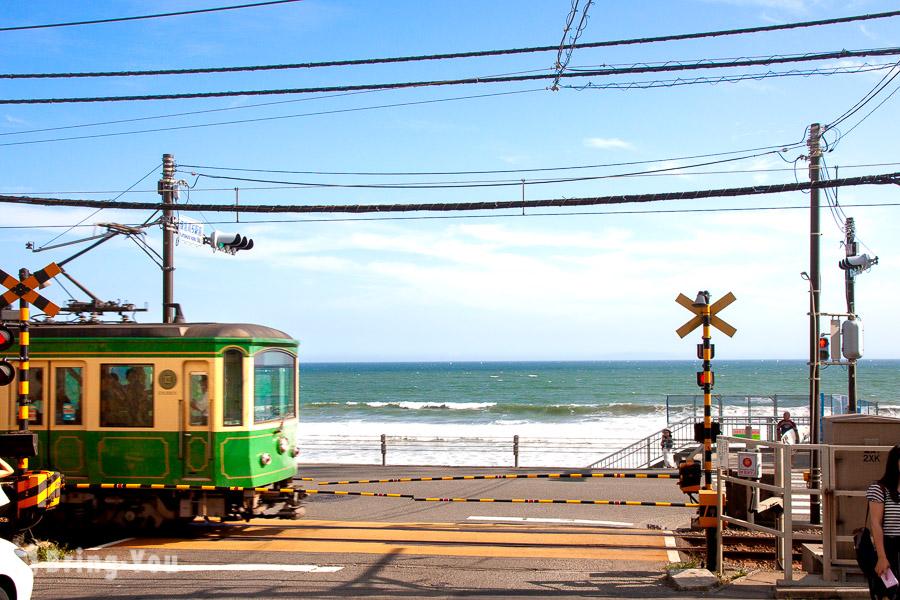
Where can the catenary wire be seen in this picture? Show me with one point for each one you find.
(135, 184)
(142, 17)
(473, 54)
(677, 82)
(777, 59)
(880, 179)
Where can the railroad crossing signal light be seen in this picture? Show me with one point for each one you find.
(7, 372)
(824, 352)
(229, 242)
(6, 338)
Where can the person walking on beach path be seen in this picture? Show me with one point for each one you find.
(785, 428)
(884, 514)
(668, 449)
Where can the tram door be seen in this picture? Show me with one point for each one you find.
(196, 430)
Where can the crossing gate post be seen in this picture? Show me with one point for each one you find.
(383, 450)
(516, 451)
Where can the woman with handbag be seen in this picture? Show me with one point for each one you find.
(884, 510)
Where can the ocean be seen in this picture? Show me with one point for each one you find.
(565, 413)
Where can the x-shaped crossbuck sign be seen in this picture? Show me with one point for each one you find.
(715, 321)
(26, 289)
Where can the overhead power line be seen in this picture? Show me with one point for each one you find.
(510, 215)
(195, 190)
(884, 179)
(142, 17)
(629, 85)
(502, 183)
(770, 60)
(275, 118)
(455, 55)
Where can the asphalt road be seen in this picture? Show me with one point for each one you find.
(352, 546)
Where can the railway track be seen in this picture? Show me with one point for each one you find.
(741, 546)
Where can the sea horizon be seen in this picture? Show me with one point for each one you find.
(613, 401)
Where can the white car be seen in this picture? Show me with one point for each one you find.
(16, 579)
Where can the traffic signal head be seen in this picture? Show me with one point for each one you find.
(6, 338)
(824, 351)
(7, 372)
(229, 242)
(858, 263)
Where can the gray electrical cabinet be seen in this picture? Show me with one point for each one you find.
(856, 470)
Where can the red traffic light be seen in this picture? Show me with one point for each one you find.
(6, 338)
(823, 342)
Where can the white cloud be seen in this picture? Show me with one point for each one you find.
(607, 143)
(14, 120)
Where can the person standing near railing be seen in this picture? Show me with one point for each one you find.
(668, 449)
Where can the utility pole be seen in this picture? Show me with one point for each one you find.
(166, 189)
(815, 286)
(850, 247)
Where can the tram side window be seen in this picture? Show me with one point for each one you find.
(126, 395)
(233, 409)
(273, 386)
(36, 395)
(69, 389)
(199, 399)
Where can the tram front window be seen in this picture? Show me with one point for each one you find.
(273, 386)
(126, 395)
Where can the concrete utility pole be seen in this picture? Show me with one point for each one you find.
(815, 285)
(849, 279)
(166, 189)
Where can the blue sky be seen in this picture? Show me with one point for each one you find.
(496, 286)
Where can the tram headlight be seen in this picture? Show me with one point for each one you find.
(283, 445)
(295, 451)
(265, 458)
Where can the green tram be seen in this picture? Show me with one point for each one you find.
(200, 416)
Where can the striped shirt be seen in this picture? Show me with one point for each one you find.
(891, 521)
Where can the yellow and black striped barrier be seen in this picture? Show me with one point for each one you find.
(38, 490)
(155, 486)
(550, 501)
(508, 476)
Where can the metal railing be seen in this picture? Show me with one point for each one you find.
(442, 450)
(680, 407)
(647, 452)
(829, 492)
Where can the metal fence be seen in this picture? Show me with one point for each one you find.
(444, 450)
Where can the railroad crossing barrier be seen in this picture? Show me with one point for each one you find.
(291, 490)
(508, 476)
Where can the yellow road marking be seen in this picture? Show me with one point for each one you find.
(438, 539)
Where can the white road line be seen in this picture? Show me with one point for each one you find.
(108, 544)
(673, 554)
(558, 521)
(87, 566)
